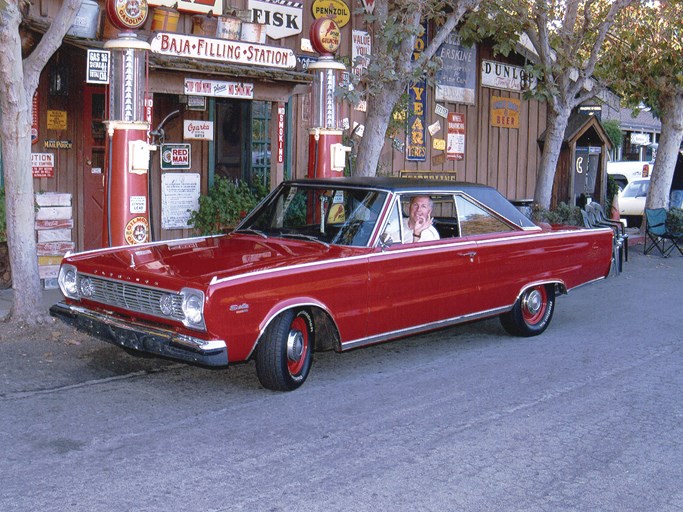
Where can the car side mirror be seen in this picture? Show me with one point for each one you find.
(385, 240)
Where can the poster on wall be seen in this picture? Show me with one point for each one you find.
(456, 81)
(455, 143)
(179, 197)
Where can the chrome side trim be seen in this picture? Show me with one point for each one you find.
(379, 338)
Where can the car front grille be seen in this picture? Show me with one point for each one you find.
(140, 299)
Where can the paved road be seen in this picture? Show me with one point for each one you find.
(587, 417)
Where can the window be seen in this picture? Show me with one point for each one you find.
(475, 220)
(260, 142)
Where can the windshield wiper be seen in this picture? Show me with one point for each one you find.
(305, 237)
(251, 230)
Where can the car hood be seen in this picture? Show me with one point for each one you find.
(198, 261)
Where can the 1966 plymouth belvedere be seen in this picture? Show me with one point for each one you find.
(331, 264)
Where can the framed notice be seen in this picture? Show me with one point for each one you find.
(179, 197)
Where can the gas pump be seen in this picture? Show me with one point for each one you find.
(126, 203)
(326, 153)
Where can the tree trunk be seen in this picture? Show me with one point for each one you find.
(379, 109)
(667, 152)
(15, 110)
(557, 124)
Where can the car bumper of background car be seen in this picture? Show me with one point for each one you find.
(142, 337)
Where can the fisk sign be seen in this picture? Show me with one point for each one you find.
(175, 156)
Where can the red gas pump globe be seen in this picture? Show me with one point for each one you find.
(127, 14)
(325, 36)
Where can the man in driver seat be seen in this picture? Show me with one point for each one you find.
(418, 226)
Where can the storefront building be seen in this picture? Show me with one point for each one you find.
(230, 96)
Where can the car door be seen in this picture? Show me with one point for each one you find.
(420, 284)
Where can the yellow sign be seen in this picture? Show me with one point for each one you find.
(505, 112)
(334, 9)
(439, 144)
(56, 119)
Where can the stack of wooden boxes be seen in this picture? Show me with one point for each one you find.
(54, 225)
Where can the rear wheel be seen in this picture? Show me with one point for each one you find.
(532, 312)
(284, 352)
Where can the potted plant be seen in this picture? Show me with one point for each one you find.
(226, 203)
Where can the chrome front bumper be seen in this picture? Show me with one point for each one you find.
(142, 337)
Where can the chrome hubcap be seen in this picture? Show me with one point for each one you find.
(295, 345)
(533, 302)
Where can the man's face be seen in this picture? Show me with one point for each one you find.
(420, 209)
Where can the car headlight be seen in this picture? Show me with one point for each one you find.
(68, 281)
(193, 308)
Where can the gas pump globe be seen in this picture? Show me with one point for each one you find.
(326, 153)
(126, 196)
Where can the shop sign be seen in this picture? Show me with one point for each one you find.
(416, 146)
(498, 75)
(335, 10)
(361, 45)
(201, 6)
(176, 156)
(282, 18)
(43, 165)
(56, 119)
(197, 130)
(280, 133)
(58, 144)
(456, 80)
(219, 89)
(640, 139)
(222, 50)
(505, 112)
(455, 143)
(98, 67)
(179, 197)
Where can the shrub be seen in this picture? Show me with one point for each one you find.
(226, 203)
(674, 220)
(563, 214)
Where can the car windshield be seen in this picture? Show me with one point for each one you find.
(343, 216)
(636, 188)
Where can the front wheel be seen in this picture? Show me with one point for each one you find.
(284, 352)
(532, 312)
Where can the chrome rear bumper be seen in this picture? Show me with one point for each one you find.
(142, 337)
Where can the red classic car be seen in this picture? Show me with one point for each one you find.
(332, 264)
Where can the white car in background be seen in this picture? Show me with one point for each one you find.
(632, 202)
(626, 172)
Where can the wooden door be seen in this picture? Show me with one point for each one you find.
(94, 169)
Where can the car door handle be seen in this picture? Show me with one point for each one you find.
(469, 255)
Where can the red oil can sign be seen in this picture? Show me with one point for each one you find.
(176, 156)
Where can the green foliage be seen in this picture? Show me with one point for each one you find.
(563, 214)
(226, 203)
(3, 218)
(613, 130)
(674, 220)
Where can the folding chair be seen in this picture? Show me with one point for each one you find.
(657, 236)
(618, 227)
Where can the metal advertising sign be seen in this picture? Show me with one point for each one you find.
(456, 80)
(43, 165)
(219, 89)
(335, 10)
(282, 18)
(197, 130)
(505, 112)
(416, 146)
(176, 156)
